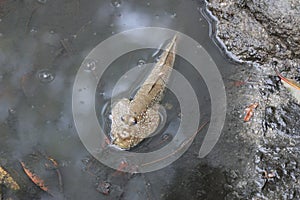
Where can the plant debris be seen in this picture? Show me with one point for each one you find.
(55, 163)
(250, 111)
(291, 85)
(34, 178)
(44, 172)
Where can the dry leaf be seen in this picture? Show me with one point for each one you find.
(37, 180)
(7, 180)
(291, 85)
(249, 111)
(44, 172)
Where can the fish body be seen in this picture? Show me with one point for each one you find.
(134, 120)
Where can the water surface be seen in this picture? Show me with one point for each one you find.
(43, 44)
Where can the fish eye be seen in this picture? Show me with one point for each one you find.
(132, 120)
(129, 119)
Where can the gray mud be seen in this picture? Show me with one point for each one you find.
(264, 35)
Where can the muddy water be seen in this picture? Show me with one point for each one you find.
(42, 46)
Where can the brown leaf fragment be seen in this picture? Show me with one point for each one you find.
(291, 85)
(288, 81)
(34, 178)
(249, 111)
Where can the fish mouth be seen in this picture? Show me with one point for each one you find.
(125, 144)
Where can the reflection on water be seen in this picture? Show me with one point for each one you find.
(42, 46)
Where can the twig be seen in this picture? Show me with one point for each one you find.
(56, 167)
(265, 184)
(65, 46)
(60, 182)
(30, 18)
(82, 27)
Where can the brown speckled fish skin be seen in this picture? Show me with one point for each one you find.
(133, 121)
(153, 87)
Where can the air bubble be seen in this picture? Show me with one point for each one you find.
(45, 76)
(89, 65)
(33, 30)
(116, 3)
(12, 111)
(166, 136)
(141, 62)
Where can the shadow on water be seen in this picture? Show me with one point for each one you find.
(42, 46)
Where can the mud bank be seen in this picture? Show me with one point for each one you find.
(264, 35)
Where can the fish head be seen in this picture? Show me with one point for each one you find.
(129, 119)
(125, 137)
(124, 129)
(127, 130)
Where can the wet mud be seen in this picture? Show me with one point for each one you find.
(259, 34)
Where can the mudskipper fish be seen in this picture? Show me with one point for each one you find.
(134, 120)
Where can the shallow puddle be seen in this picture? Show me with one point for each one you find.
(43, 44)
